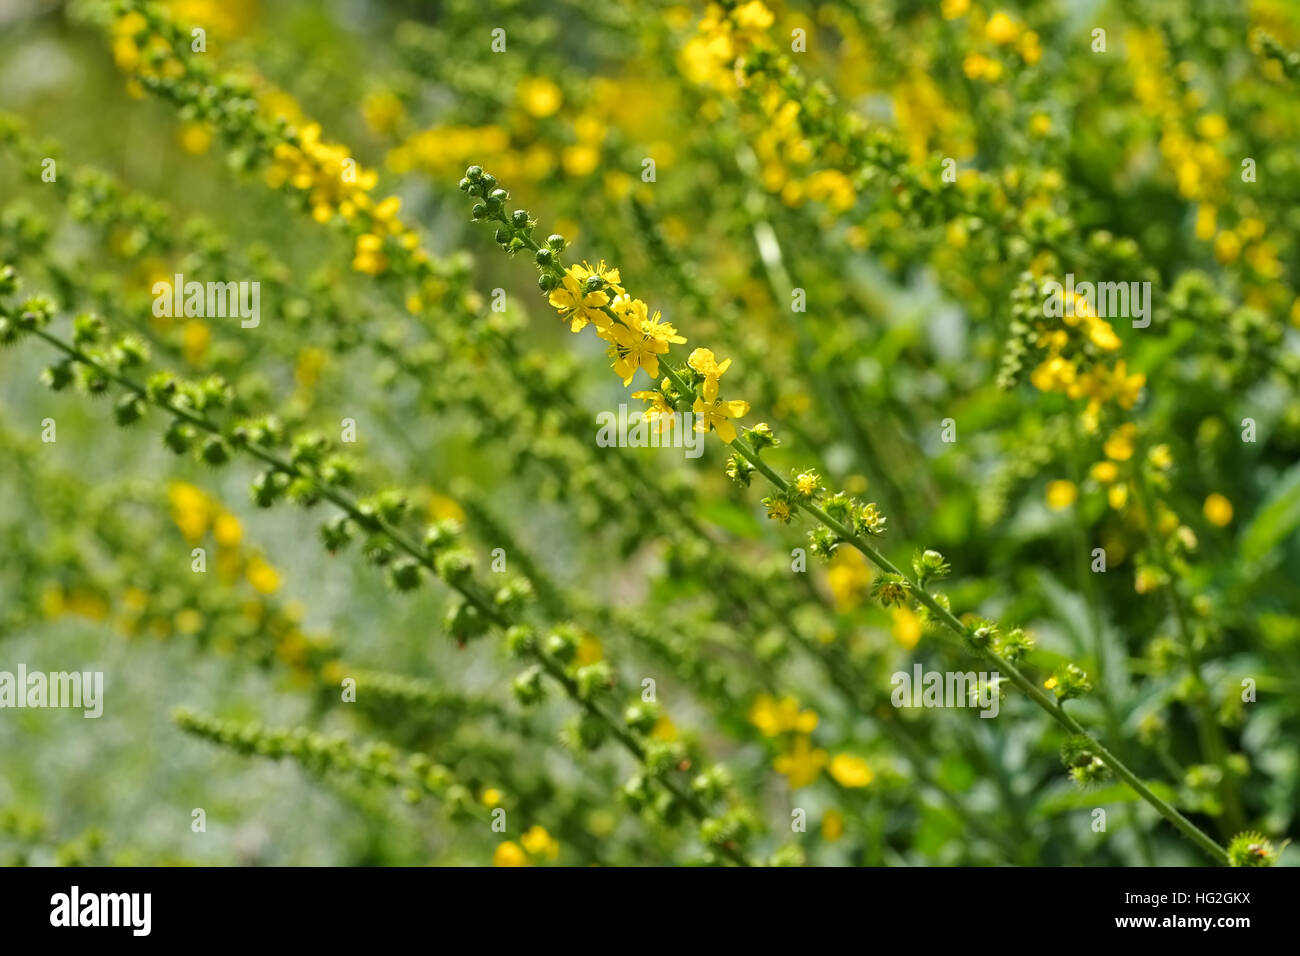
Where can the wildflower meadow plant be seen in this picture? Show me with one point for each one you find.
(740, 433)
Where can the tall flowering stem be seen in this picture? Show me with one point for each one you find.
(582, 295)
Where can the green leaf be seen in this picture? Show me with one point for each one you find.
(1276, 519)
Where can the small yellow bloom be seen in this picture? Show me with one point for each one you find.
(192, 509)
(1050, 683)
(491, 797)
(1119, 446)
(539, 843)
(388, 208)
(907, 627)
(195, 138)
(1061, 494)
(1105, 472)
(704, 362)
(580, 160)
(952, 9)
(509, 853)
(1206, 221)
(779, 510)
(1040, 124)
(1145, 581)
(196, 336)
(589, 650)
(664, 729)
(264, 578)
(773, 717)
(1227, 247)
(369, 257)
(1218, 510)
(1117, 496)
(540, 97)
(227, 530)
(832, 825)
(802, 765)
(1001, 29)
(851, 771)
(1212, 126)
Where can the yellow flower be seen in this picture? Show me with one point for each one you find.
(442, 508)
(195, 138)
(227, 530)
(1227, 247)
(1040, 124)
(509, 854)
(1218, 510)
(370, 256)
(192, 509)
(907, 627)
(387, 209)
(188, 621)
(1001, 29)
(540, 843)
(802, 764)
(703, 361)
(580, 160)
(577, 305)
(1102, 335)
(1050, 683)
(609, 276)
(752, 17)
(1028, 47)
(1160, 457)
(382, 111)
(589, 650)
(659, 412)
(952, 9)
(978, 66)
(1212, 126)
(639, 340)
(778, 509)
(664, 729)
(491, 797)
(539, 96)
(1061, 494)
(773, 717)
(1117, 496)
(806, 483)
(848, 578)
(1105, 472)
(1206, 221)
(196, 337)
(1119, 446)
(851, 771)
(264, 578)
(715, 414)
(832, 825)
(1145, 581)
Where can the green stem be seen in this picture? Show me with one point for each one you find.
(420, 554)
(1208, 731)
(946, 617)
